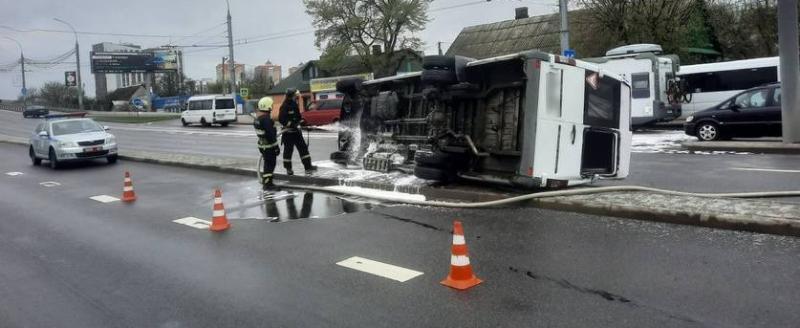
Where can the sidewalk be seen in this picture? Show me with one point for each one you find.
(757, 215)
(755, 146)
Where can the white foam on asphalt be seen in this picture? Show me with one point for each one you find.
(659, 141)
(384, 195)
(764, 170)
(193, 222)
(104, 198)
(13, 174)
(49, 184)
(379, 269)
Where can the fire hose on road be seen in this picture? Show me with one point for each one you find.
(544, 194)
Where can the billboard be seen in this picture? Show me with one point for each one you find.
(329, 83)
(134, 62)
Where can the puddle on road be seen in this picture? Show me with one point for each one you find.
(293, 205)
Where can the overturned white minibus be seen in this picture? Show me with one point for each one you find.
(529, 119)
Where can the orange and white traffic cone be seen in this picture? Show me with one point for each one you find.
(219, 221)
(127, 189)
(461, 276)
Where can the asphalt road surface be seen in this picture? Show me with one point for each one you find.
(70, 261)
(669, 170)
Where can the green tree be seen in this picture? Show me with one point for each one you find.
(345, 27)
(612, 23)
(57, 94)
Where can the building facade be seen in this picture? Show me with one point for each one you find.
(268, 71)
(223, 73)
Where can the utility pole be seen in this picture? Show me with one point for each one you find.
(230, 52)
(222, 68)
(78, 63)
(440, 47)
(24, 87)
(789, 62)
(22, 64)
(562, 8)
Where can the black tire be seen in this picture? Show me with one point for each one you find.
(24, 115)
(224, 124)
(184, 122)
(436, 62)
(349, 86)
(432, 159)
(53, 159)
(432, 173)
(340, 157)
(112, 159)
(708, 131)
(203, 122)
(435, 76)
(35, 160)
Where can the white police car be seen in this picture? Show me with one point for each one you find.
(71, 137)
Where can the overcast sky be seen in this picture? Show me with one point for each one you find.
(200, 22)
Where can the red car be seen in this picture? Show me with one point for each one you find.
(323, 112)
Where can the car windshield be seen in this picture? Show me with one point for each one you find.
(76, 126)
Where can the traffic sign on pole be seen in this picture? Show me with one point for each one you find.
(244, 92)
(70, 78)
(24, 91)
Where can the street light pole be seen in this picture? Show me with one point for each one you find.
(22, 64)
(232, 64)
(789, 62)
(563, 9)
(78, 62)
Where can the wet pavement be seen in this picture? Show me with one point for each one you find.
(72, 261)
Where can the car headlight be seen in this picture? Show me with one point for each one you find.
(689, 119)
(67, 144)
(111, 140)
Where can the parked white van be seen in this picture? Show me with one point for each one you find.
(209, 109)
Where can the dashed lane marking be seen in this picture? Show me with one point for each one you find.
(379, 269)
(104, 198)
(49, 184)
(764, 170)
(193, 222)
(13, 174)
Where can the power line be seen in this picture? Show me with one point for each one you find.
(96, 33)
(198, 33)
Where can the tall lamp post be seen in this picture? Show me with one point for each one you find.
(77, 61)
(22, 63)
(232, 67)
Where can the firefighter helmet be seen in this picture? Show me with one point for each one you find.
(265, 104)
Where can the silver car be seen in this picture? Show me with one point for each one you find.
(65, 138)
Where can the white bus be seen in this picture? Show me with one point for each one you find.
(710, 84)
(649, 73)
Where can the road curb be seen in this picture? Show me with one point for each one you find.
(775, 226)
(743, 146)
(728, 221)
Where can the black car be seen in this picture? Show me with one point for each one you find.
(750, 114)
(35, 111)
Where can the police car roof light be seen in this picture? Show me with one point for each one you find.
(69, 115)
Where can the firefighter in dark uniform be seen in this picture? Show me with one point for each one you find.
(291, 120)
(267, 141)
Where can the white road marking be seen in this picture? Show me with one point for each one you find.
(13, 174)
(194, 222)
(764, 170)
(104, 198)
(379, 269)
(49, 184)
